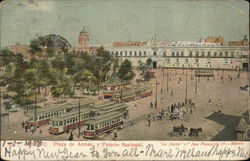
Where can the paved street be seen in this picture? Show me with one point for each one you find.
(234, 103)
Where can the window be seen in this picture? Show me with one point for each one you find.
(173, 53)
(130, 53)
(197, 60)
(135, 53)
(203, 54)
(164, 53)
(215, 54)
(226, 53)
(145, 53)
(120, 53)
(126, 54)
(186, 60)
(220, 54)
(177, 54)
(154, 53)
(208, 54)
(182, 53)
(190, 54)
(177, 60)
(140, 53)
(232, 53)
(116, 53)
(197, 54)
(168, 60)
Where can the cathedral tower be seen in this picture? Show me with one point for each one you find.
(83, 38)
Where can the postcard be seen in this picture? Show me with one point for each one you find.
(124, 80)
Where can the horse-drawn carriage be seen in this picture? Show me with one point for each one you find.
(180, 131)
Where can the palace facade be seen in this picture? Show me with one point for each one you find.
(209, 53)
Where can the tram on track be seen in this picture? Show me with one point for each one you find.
(102, 124)
(70, 121)
(44, 115)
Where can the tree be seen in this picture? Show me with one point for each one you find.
(149, 62)
(87, 76)
(62, 84)
(115, 65)
(125, 73)
(103, 61)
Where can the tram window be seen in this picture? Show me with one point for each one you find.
(96, 126)
(39, 117)
(61, 123)
(67, 121)
(64, 123)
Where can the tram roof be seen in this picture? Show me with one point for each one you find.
(103, 117)
(70, 114)
(112, 108)
(64, 106)
(104, 105)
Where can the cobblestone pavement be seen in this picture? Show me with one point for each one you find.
(234, 102)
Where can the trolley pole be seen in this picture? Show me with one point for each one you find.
(167, 82)
(35, 118)
(196, 82)
(222, 77)
(186, 88)
(79, 125)
(156, 84)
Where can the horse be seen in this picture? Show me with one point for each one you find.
(195, 132)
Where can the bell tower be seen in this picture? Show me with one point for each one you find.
(83, 39)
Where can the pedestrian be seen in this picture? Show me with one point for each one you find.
(209, 101)
(207, 78)
(219, 101)
(149, 122)
(135, 107)
(71, 136)
(23, 124)
(161, 90)
(26, 128)
(153, 117)
(151, 104)
(32, 129)
(171, 93)
(115, 135)
(155, 104)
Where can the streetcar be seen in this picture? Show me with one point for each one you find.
(144, 91)
(204, 73)
(107, 122)
(110, 107)
(68, 121)
(45, 114)
(126, 96)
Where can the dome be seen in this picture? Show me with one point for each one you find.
(58, 41)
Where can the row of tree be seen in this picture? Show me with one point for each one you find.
(56, 72)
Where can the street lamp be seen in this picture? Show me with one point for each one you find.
(156, 84)
(186, 88)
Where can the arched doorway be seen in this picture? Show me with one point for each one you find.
(154, 64)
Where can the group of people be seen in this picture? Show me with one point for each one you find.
(174, 111)
(32, 129)
(177, 111)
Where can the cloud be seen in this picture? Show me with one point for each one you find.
(37, 5)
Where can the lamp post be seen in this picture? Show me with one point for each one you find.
(167, 81)
(79, 123)
(186, 88)
(156, 84)
(196, 82)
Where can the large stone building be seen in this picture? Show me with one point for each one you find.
(209, 54)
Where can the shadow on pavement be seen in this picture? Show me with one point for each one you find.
(229, 122)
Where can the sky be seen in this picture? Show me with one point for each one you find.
(123, 20)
